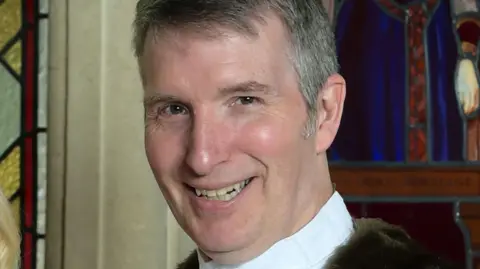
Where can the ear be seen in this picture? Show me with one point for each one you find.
(329, 111)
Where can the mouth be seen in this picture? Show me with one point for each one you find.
(223, 194)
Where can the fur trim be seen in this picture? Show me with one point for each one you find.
(373, 245)
(190, 263)
(378, 245)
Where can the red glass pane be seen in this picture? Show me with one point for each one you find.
(469, 32)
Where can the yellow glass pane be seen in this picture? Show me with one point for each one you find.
(10, 19)
(10, 173)
(14, 57)
(16, 210)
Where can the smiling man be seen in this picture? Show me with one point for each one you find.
(242, 100)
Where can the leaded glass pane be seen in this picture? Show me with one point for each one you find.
(10, 172)
(13, 57)
(44, 6)
(10, 108)
(10, 20)
(40, 254)
(461, 6)
(42, 182)
(42, 87)
(42, 72)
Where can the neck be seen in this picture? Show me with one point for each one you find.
(313, 196)
(311, 208)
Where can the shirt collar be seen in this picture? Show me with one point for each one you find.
(310, 247)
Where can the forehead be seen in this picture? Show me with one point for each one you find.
(176, 57)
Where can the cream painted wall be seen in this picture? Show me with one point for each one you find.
(104, 208)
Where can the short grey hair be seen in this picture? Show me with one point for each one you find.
(306, 21)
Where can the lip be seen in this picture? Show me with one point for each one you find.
(216, 206)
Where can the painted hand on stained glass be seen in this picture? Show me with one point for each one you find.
(467, 87)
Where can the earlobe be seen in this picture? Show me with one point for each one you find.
(329, 111)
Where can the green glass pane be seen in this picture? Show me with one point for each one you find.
(10, 109)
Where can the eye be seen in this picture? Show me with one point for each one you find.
(246, 100)
(173, 110)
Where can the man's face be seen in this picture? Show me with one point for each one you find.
(225, 138)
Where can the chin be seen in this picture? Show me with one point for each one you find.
(223, 240)
(228, 253)
(225, 245)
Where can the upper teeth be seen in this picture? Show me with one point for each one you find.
(224, 194)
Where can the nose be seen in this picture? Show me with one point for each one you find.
(207, 147)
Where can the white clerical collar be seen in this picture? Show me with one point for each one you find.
(309, 248)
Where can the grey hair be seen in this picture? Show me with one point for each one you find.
(312, 40)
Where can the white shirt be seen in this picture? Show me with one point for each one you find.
(309, 248)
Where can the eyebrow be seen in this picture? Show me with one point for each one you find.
(152, 99)
(247, 87)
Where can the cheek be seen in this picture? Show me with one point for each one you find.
(163, 153)
(278, 147)
(269, 140)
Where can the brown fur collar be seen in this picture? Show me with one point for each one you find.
(373, 245)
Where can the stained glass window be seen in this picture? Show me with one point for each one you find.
(408, 148)
(23, 90)
(412, 70)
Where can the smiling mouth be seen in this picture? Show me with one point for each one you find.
(224, 194)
